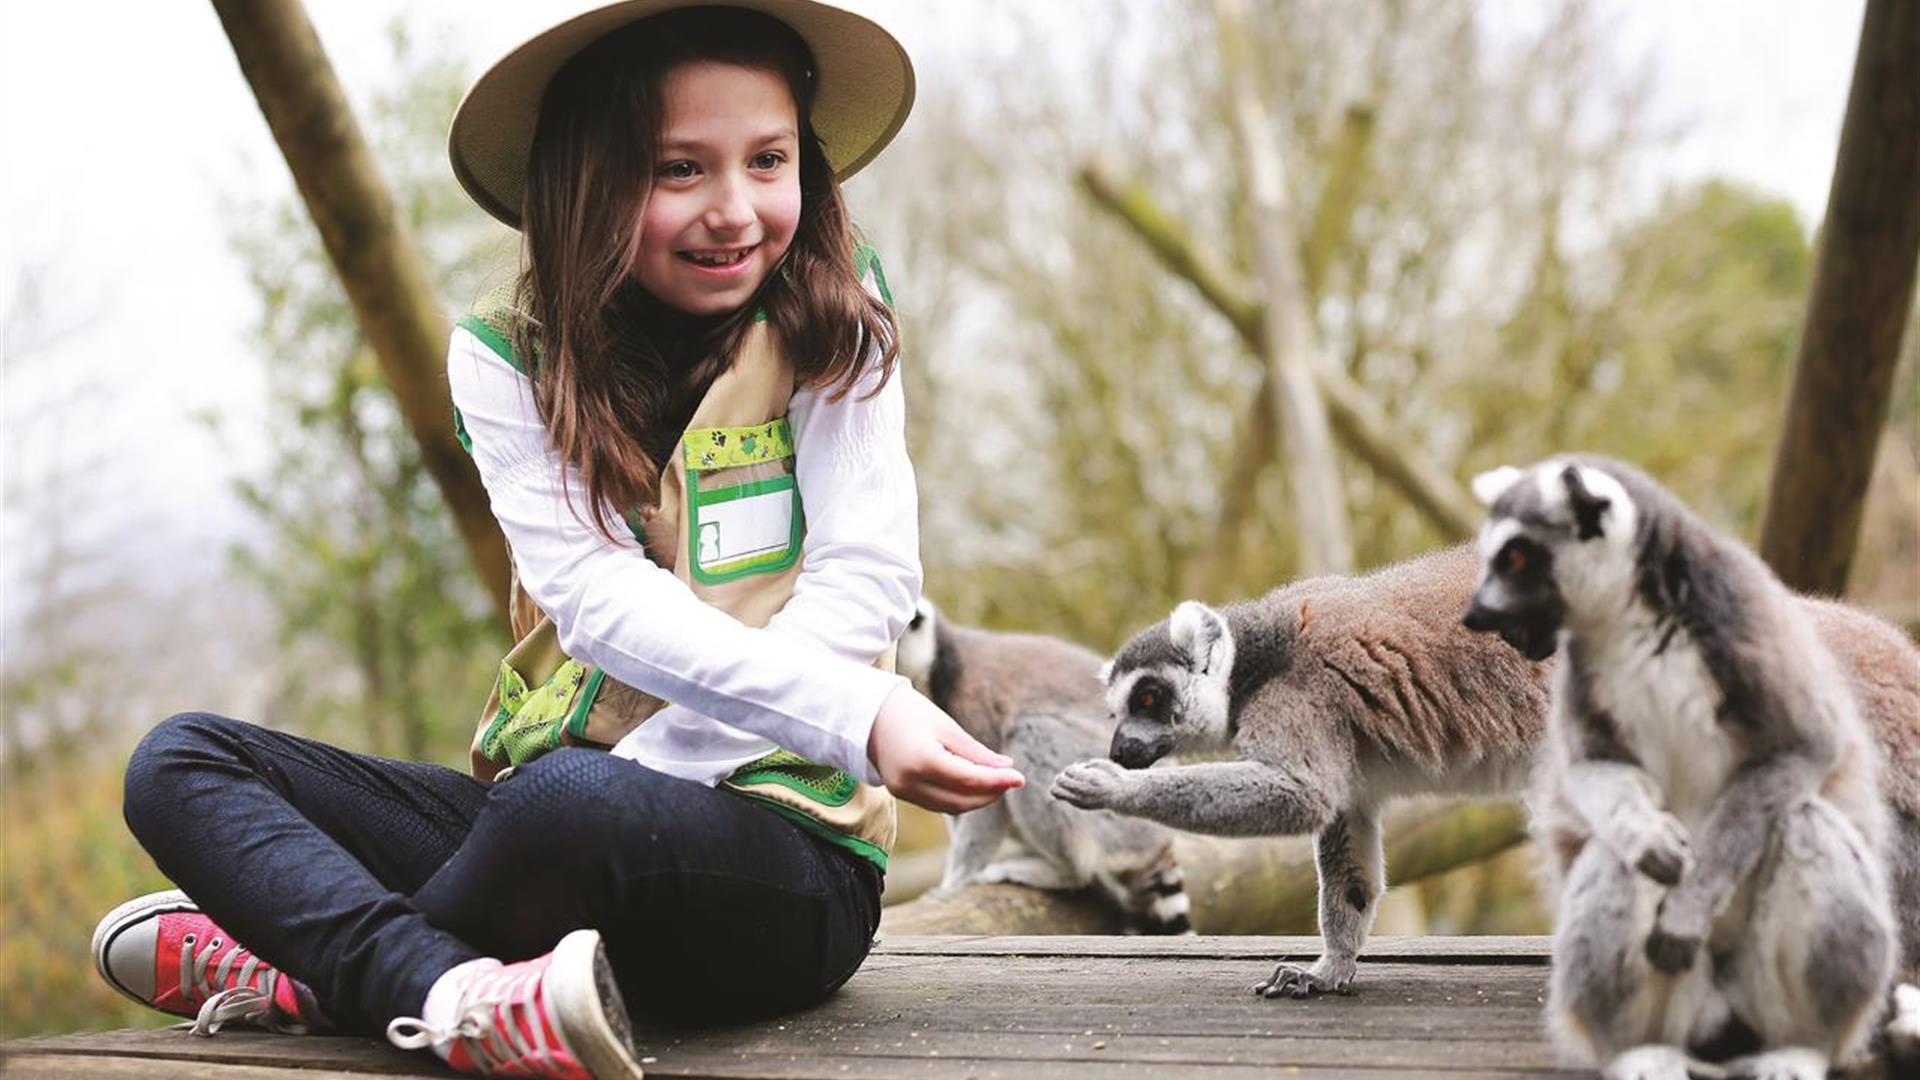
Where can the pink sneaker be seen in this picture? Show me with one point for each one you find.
(159, 950)
(557, 1016)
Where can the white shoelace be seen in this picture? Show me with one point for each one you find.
(508, 991)
(248, 1001)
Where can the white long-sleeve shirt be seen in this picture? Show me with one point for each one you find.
(805, 682)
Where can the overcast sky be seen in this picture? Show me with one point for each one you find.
(127, 124)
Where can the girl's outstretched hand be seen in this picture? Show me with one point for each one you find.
(928, 760)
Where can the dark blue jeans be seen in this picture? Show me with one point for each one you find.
(366, 878)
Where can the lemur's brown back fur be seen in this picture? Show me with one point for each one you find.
(1422, 686)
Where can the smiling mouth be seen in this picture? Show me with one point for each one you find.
(718, 259)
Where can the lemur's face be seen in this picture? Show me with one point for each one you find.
(1553, 531)
(1167, 688)
(913, 656)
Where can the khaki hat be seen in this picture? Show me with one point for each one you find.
(863, 91)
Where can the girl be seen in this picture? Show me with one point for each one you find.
(690, 351)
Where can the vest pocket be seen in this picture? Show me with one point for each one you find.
(744, 512)
(532, 719)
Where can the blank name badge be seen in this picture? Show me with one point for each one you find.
(750, 528)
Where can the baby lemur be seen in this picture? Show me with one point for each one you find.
(1038, 700)
(1709, 794)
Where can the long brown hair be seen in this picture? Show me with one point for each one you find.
(616, 373)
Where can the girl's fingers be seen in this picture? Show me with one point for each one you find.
(957, 740)
(941, 802)
(957, 774)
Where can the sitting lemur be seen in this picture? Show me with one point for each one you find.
(1710, 800)
(1038, 699)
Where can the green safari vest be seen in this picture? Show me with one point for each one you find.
(728, 521)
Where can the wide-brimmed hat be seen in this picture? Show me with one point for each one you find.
(863, 90)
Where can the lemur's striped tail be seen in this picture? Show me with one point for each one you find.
(1156, 897)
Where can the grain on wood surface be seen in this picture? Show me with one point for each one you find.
(1057, 1008)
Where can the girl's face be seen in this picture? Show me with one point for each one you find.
(726, 188)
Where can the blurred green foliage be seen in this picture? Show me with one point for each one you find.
(1509, 286)
(67, 859)
(378, 607)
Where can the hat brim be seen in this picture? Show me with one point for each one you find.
(862, 95)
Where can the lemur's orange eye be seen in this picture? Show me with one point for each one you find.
(1516, 560)
(1144, 700)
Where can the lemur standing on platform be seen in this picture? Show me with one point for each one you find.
(1709, 794)
(1038, 700)
(1337, 694)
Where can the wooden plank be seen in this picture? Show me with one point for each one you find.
(1049, 1007)
(37, 1066)
(1529, 949)
(248, 1051)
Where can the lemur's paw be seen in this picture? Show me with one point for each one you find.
(1680, 924)
(1290, 980)
(1671, 952)
(1903, 1026)
(1650, 1062)
(1788, 1063)
(1090, 785)
(1663, 851)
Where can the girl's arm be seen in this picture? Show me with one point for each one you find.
(860, 571)
(618, 610)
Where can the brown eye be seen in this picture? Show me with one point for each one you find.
(1144, 700)
(1516, 559)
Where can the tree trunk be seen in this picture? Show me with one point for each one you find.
(1253, 435)
(1293, 350)
(1257, 886)
(372, 248)
(1862, 294)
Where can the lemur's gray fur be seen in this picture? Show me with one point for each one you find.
(1709, 792)
(1038, 700)
(1336, 694)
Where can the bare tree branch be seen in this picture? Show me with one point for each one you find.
(1253, 435)
(1293, 341)
(372, 248)
(1263, 886)
(1862, 293)
(1361, 424)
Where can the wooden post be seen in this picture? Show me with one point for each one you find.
(1862, 293)
(1293, 345)
(372, 249)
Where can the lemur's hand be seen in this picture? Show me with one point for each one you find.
(1092, 785)
(1678, 929)
(1659, 848)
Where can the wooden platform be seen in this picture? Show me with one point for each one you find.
(1053, 1007)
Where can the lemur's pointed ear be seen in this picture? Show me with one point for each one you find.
(1106, 673)
(1490, 485)
(1588, 508)
(1202, 634)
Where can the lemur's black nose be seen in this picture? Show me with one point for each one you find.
(1137, 753)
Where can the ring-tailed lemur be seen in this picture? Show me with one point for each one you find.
(1709, 793)
(1037, 699)
(1337, 694)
